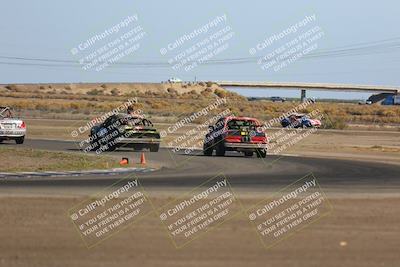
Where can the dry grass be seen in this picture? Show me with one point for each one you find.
(31, 160)
(86, 101)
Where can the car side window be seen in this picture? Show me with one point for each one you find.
(108, 121)
(220, 124)
(146, 122)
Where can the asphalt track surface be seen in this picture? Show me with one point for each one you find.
(190, 170)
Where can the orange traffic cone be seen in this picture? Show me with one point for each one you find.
(142, 159)
(124, 161)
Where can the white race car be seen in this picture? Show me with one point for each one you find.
(11, 128)
(174, 80)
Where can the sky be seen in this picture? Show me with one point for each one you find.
(360, 41)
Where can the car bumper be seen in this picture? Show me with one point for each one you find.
(11, 133)
(247, 145)
(127, 141)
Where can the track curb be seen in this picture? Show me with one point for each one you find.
(114, 171)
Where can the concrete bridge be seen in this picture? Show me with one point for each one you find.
(313, 86)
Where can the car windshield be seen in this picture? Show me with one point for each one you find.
(297, 116)
(5, 112)
(240, 124)
(136, 121)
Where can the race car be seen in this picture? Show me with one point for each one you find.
(297, 120)
(11, 128)
(241, 134)
(124, 130)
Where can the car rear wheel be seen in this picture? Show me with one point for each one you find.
(220, 149)
(20, 140)
(111, 147)
(207, 150)
(154, 148)
(261, 153)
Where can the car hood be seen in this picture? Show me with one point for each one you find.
(140, 129)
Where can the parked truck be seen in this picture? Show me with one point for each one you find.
(396, 100)
(392, 100)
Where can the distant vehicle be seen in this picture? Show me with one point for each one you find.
(396, 100)
(174, 80)
(11, 128)
(127, 131)
(366, 102)
(241, 134)
(297, 120)
(278, 99)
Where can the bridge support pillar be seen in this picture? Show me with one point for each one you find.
(303, 95)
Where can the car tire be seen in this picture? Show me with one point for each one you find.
(261, 153)
(220, 149)
(154, 148)
(207, 150)
(248, 154)
(111, 148)
(20, 140)
(94, 144)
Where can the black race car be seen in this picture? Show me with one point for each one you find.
(124, 130)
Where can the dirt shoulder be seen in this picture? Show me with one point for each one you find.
(374, 146)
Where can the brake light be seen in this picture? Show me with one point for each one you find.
(259, 139)
(22, 125)
(233, 139)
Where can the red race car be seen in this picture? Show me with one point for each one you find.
(241, 134)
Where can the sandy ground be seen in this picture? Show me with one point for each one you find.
(358, 232)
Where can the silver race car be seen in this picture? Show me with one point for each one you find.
(11, 128)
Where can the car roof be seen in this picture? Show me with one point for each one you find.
(241, 118)
(119, 116)
(298, 114)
